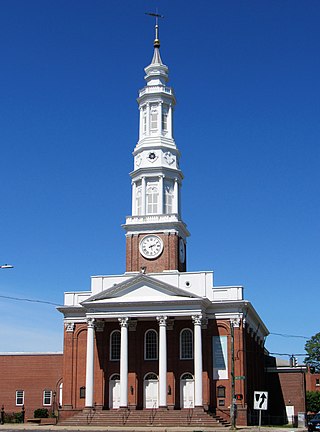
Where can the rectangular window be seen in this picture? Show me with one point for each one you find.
(47, 397)
(220, 357)
(20, 397)
(317, 382)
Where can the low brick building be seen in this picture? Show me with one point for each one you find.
(30, 380)
(286, 385)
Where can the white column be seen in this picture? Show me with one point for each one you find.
(197, 360)
(161, 194)
(143, 195)
(124, 362)
(162, 361)
(175, 196)
(90, 363)
(134, 200)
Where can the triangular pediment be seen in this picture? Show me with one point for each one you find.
(141, 288)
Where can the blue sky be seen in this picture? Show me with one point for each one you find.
(246, 76)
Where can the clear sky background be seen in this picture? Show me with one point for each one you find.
(246, 76)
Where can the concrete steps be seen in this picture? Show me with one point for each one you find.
(150, 417)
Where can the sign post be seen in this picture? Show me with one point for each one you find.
(260, 403)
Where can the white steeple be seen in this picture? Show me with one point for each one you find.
(156, 177)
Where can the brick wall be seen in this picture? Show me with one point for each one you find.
(168, 260)
(32, 373)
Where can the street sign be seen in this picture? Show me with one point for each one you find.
(240, 377)
(260, 400)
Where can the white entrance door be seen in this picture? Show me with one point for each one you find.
(151, 393)
(114, 394)
(187, 393)
(290, 414)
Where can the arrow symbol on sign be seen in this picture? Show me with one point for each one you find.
(262, 399)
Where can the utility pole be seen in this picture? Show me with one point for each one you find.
(233, 398)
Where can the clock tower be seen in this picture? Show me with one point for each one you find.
(155, 233)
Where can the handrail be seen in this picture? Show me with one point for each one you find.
(190, 412)
(153, 413)
(125, 415)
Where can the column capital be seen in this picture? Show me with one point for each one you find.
(235, 322)
(70, 327)
(162, 320)
(197, 319)
(90, 322)
(123, 321)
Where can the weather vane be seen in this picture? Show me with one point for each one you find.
(156, 43)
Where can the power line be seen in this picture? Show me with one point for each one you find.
(286, 354)
(29, 300)
(289, 336)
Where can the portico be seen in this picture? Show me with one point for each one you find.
(160, 372)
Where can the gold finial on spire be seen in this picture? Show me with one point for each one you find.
(156, 42)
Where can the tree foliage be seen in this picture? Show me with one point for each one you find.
(313, 401)
(312, 348)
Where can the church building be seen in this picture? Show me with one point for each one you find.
(158, 342)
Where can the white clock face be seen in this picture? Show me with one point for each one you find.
(182, 251)
(151, 246)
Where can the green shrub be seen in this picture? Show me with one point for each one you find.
(313, 401)
(14, 417)
(41, 413)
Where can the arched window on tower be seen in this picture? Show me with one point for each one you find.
(144, 120)
(154, 118)
(151, 345)
(168, 198)
(164, 119)
(152, 199)
(186, 344)
(115, 345)
(139, 201)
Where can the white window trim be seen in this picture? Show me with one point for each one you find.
(180, 345)
(19, 391)
(110, 348)
(47, 393)
(145, 345)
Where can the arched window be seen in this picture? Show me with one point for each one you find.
(186, 376)
(164, 119)
(152, 199)
(115, 345)
(144, 120)
(151, 376)
(186, 344)
(139, 201)
(154, 118)
(168, 199)
(151, 345)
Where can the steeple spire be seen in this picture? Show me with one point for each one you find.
(156, 42)
(156, 234)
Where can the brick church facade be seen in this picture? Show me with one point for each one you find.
(159, 337)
